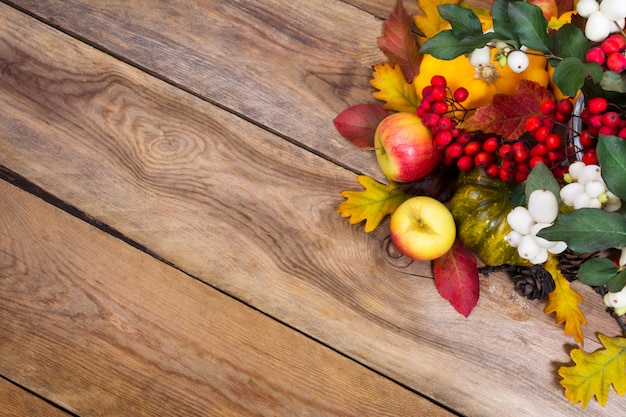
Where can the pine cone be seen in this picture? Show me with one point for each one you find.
(534, 282)
(570, 261)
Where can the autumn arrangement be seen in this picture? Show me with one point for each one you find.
(502, 134)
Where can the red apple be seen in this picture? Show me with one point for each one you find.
(548, 7)
(404, 147)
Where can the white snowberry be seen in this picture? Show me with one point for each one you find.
(598, 27)
(520, 220)
(613, 9)
(570, 192)
(543, 206)
(584, 8)
(615, 299)
(518, 61)
(480, 57)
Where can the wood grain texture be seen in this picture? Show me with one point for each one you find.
(289, 66)
(253, 215)
(16, 402)
(104, 329)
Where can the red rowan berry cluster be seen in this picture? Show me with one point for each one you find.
(610, 54)
(548, 146)
(466, 150)
(599, 118)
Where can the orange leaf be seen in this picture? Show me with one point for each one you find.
(399, 44)
(394, 90)
(564, 302)
(595, 372)
(456, 278)
(372, 204)
(506, 115)
(358, 123)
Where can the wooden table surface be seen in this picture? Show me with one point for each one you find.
(169, 244)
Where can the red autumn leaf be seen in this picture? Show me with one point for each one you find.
(358, 123)
(456, 278)
(398, 42)
(506, 115)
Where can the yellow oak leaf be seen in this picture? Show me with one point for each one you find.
(393, 88)
(595, 372)
(430, 23)
(372, 204)
(564, 302)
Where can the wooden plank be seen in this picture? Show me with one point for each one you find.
(242, 209)
(16, 402)
(285, 65)
(104, 329)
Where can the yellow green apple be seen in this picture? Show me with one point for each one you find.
(422, 228)
(404, 147)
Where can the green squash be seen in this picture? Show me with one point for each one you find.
(479, 207)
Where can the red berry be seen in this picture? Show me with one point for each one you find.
(438, 93)
(438, 81)
(597, 105)
(620, 39)
(596, 121)
(533, 123)
(548, 107)
(461, 94)
(484, 159)
(426, 91)
(492, 171)
(586, 140)
(590, 157)
(491, 145)
(595, 54)
(520, 176)
(553, 142)
(611, 119)
(463, 138)
(508, 165)
(622, 133)
(541, 133)
(471, 148)
(536, 160)
(431, 120)
(610, 45)
(564, 107)
(453, 151)
(445, 123)
(539, 149)
(607, 130)
(616, 62)
(520, 154)
(561, 117)
(506, 175)
(555, 156)
(442, 139)
(440, 107)
(465, 163)
(506, 151)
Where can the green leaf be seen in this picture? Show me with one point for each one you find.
(445, 45)
(541, 178)
(529, 25)
(612, 156)
(570, 73)
(617, 283)
(464, 21)
(597, 271)
(501, 21)
(613, 81)
(588, 230)
(570, 41)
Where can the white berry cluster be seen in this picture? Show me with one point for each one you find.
(586, 188)
(516, 59)
(543, 208)
(603, 18)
